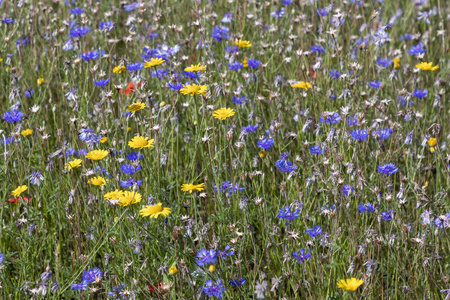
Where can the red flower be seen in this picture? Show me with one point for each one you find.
(157, 288)
(128, 90)
(13, 200)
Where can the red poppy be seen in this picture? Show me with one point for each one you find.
(157, 288)
(13, 200)
(128, 90)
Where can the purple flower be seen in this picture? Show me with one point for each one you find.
(420, 94)
(387, 169)
(250, 128)
(135, 67)
(334, 74)
(347, 189)
(334, 119)
(359, 134)
(442, 221)
(314, 231)
(229, 187)
(77, 11)
(316, 149)
(266, 143)
(317, 48)
(237, 282)
(102, 82)
(107, 26)
(129, 183)
(301, 256)
(94, 54)
(253, 63)
(82, 286)
(212, 289)
(206, 257)
(79, 31)
(92, 275)
(418, 49)
(284, 165)
(384, 62)
(220, 33)
(239, 100)
(13, 116)
(387, 215)
(131, 7)
(236, 65)
(382, 134)
(366, 208)
(287, 214)
(129, 169)
(227, 252)
(133, 155)
(375, 84)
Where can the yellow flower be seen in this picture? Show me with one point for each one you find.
(103, 140)
(245, 63)
(119, 69)
(396, 62)
(432, 142)
(424, 66)
(242, 44)
(162, 104)
(130, 198)
(114, 195)
(302, 85)
(97, 154)
(194, 89)
(97, 181)
(73, 164)
(223, 113)
(212, 268)
(19, 190)
(26, 132)
(141, 142)
(189, 187)
(350, 285)
(153, 62)
(262, 153)
(155, 211)
(173, 270)
(1, 59)
(40, 81)
(195, 68)
(136, 106)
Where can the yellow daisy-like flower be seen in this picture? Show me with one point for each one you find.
(117, 194)
(350, 285)
(27, 132)
(97, 181)
(19, 190)
(129, 198)
(432, 142)
(195, 68)
(212, 268)
(40, 81)
(153, 62)
(189, 187)
(194, 89)
(154, 211)
(302, 85)
(242, 44)
(223, 113)
(136, 106)
(173, 270)
(103, 140)
(97, 154)
(244, 62)
(424, 66)
(396, 62)
(73, 164)
(141, 142)
(119, 69)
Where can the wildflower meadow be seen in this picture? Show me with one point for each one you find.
(226, 149)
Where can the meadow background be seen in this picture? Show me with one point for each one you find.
(298, 193)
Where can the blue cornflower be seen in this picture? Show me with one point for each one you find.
(387, 169)
(266, 143)
(278, 13)
(129, 183)
(236, 65)
(29, 93)
(316, 149)
(220, 33)
(227, 252)
(382, 134)
(366, 208)
(253, 63)
(347, 189)
(135, 67)
(317, 48)
(23, 42)
(94, 54)
(8, 21)
(406, 37)
(322, 12)
(79, 31)
(13, 116)
(403, 102)
(107, 26)
(131, 6)
(352, 120)
(206, 257)
(227, 18)
(86, 133)
(212, 289)
(359, 134)
(409, 138)
(418, 49)
(77, 11)
(237, 282)
(334, 119)
(175, 86)
(133, 155)
(239, 100)
(129, 169)
(314, 231)
(250, 128)
(420, 94)
(387, 215)
(69, 152)
(35, 178)
(6, 141)
(375, 84)
(192, 75)
(232, 49)
(287, 2)
(82, 286)
(2, 258)
(284, 165)
(384, 62)
(442, 221)
(325, 208)
(101, 82)
(301, 256)
(81, 153)
(68, 45)
(92, 275)
(334, 74)
(229, 187)
(117, 292)
(287, 214)
(159, 73)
